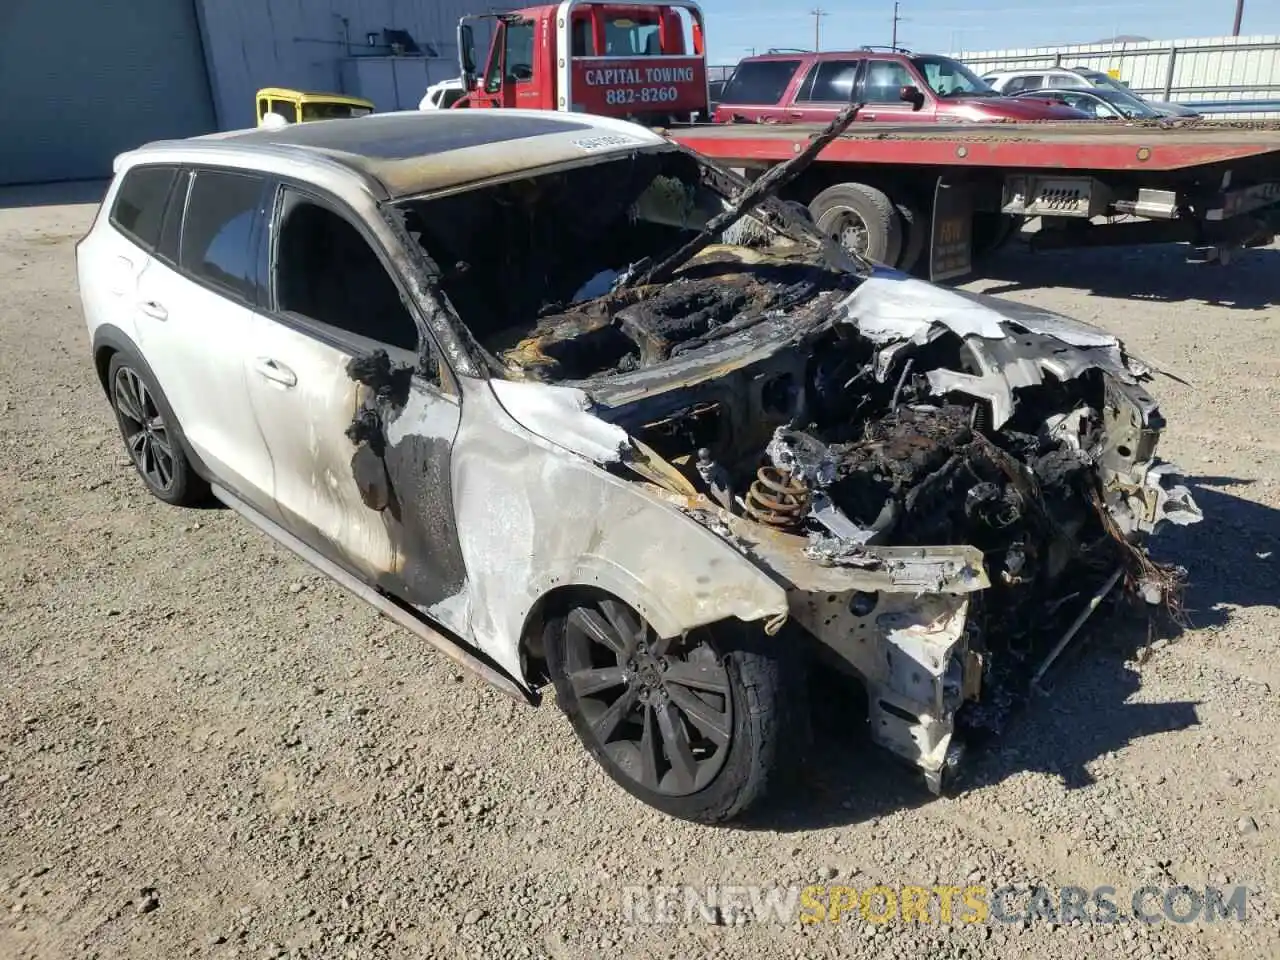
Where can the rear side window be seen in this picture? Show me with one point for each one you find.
(832, 81)
(760, 81)
(139, 206)
(1033, 82)
(217, 234)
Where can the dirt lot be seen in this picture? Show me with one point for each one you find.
(207, 750)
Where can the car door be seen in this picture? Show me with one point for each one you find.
(882, 81)
(196, 298)
(333, 297)
(827, 89)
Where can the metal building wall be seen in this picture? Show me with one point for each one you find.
(1213, 69)
(304, 43)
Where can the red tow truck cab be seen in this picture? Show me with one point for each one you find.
(629, 59)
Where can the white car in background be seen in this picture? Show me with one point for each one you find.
(442, 95)
(1012, 82)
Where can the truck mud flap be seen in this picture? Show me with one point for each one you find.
(951, 241)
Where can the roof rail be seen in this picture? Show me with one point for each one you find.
(891, 49)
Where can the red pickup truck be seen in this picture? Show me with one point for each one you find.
(895, 86)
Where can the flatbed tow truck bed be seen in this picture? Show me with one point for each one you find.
(963, 189)
(1062, 145)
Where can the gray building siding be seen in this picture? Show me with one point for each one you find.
(87, 79)
(307, 43)
(84, 80)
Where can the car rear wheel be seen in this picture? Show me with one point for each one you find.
(860, 218)
(689, 725)
(151, 435)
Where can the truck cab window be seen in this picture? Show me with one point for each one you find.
(631, 37)
(518, 46)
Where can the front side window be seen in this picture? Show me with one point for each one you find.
(217, 233)
(833, 82)
(760, 82)
(1020, 84)
(140, 202)
(326, 271)
(885, 80)
(519, 51)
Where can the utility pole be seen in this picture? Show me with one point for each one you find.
(1235, 31)
(817, 13)
(896, 19)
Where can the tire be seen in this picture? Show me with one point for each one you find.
(991, 231)
(860, 218)
(742, 691)
(152, 437)
(916, 226)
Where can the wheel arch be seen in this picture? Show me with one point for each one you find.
(109, 340)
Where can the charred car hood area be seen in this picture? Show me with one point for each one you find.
(713, 416)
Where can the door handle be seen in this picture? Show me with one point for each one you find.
(866, 116)
(275, 372)
(797, 114)
(153, 308)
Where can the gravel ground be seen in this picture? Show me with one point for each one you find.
(207, 750)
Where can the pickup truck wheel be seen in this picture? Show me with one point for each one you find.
(690, 726)
(860, 218)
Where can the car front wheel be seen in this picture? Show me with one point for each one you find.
(690, 725)
(151, 436)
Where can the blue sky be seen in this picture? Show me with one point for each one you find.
(735, 26)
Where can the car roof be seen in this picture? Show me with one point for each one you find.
(828, 55)
(414, 152)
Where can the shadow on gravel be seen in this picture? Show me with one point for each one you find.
(1082, 714)
(1232, 557)
(1157, 273)
(53, 194)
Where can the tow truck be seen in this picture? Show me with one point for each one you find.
(933, 198)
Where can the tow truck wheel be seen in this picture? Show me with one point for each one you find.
(860, 218)
(694, 726)
(916, 227)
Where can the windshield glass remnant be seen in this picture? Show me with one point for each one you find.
(541, 270)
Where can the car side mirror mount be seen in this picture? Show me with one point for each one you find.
(911, 94)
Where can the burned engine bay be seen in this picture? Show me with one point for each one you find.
(942, 481)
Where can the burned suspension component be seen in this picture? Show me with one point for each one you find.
(777, 499)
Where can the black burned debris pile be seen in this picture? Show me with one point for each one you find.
(924, 475)
(713, 298)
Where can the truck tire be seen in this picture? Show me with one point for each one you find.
(991, 231)
(860, 218)
(696, 727)
(916, 227)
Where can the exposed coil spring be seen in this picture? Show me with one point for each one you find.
(777, 499)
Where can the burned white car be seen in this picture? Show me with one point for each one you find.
(573, 405)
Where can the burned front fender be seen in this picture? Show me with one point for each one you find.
(536, 513)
